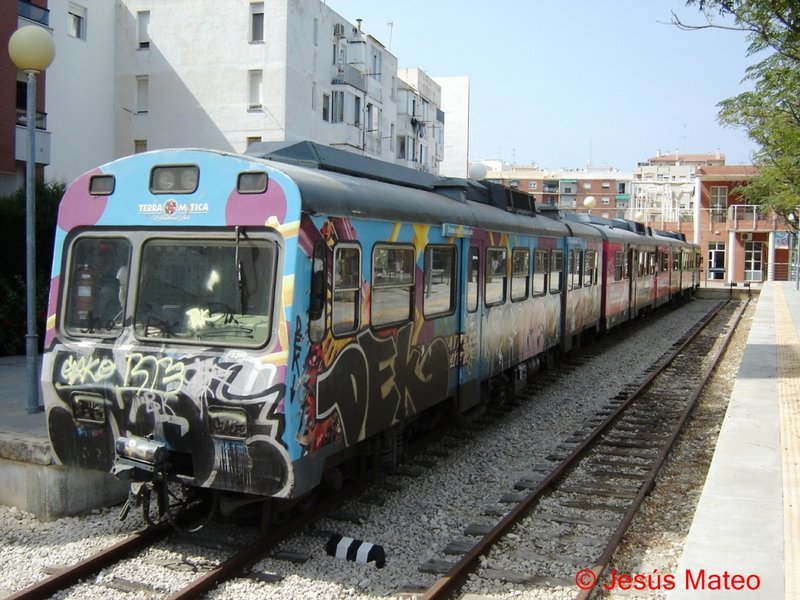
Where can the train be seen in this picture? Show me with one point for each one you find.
(256, 327)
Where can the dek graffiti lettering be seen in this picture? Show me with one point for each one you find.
(145, 372)
(377, 382)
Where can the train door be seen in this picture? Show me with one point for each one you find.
(633, 272)
(470, 319)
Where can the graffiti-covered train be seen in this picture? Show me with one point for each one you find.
(255, 324)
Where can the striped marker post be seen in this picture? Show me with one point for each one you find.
(355, 550)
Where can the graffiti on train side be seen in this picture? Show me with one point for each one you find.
(390, 375)
(151, 392)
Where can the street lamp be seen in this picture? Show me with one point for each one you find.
(32, 50)
(589, 203)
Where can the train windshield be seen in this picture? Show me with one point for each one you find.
(97, 283)
(209, 291)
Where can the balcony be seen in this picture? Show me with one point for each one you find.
(42, 145)
(349, 75)
(22, 119)
(34, 13)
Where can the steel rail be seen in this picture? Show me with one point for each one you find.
(601, 564)
(448, 584)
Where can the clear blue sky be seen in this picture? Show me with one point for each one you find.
(561, 82)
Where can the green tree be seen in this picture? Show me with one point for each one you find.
(770, 113)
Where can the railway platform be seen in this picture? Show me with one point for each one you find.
(28, 479)
(744, 541)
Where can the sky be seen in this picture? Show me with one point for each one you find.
(568, 83)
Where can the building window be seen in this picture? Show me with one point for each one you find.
(142, 93)
(139, 146)
(718, 198)
(76, 21)
(606, 201)
(337, 107)
(391, 137)
(605, 185)
(326, 107)
(143, 28)
(587, 185)
(252, 139)
(620, 188)
(255, 79)
(257, 22)
(532, 185)
(357, 111)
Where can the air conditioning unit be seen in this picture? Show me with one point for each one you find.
(746, 237)
(338, 30)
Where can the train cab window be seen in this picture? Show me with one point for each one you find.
(589, 268)
(540, 272)
(438, 297)
(346, 289)
(496, 276)
(520, 273)
(318, 293)
(392, 285)
(97, 285)
(619, 265)
(473, 264)
(214, 291)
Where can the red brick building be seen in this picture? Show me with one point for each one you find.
(13, 95)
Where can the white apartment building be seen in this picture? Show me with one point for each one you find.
(146, 74)
(455, 104)
(665, 186)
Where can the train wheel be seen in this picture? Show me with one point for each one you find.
(187, 508)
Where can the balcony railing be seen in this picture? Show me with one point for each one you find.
(349, 75)
(33, 12)
(22, 119)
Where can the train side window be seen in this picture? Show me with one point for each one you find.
(664, 262)
(556, 271)
(496, 276)
(575, 269)
(619, 265)
(346, 289)
(318, 293)
(540, 271)
(439, 293)
(473, 265)
(392, 284)
(589, 268)
(520, 273)
(676, 261)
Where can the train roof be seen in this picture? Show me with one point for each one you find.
(342, 183)
(631, 232)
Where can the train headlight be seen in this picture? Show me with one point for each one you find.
(227, 423)
(89, 408)
(178, 179)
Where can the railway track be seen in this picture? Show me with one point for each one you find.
(564, 519)
(541, 488)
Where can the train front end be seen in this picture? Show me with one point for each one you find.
(167, 343)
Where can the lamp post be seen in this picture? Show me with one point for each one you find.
(589, 203)
(32, 50)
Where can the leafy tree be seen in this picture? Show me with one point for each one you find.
(770, 113)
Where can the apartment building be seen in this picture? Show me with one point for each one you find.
(13, 99)
(136, 75)
(569, 189)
